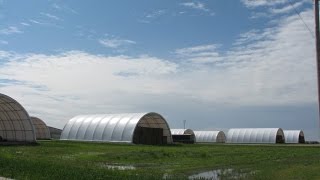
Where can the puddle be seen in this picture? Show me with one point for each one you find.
(4, 178)
(119, 167)
(220, 174)
(166, 176)
(92, 153)
(68, 157)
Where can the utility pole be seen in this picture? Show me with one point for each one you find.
(316, 15)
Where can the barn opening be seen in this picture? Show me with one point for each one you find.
(301, 137)
(280, 137)
(152, 129)
(183, 136)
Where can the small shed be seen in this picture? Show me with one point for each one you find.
(41, 129)
(256, 135)
(183, 136)
(294, 136)
(55, 132)
(210, 136)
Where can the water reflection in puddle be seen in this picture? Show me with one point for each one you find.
(220, 173)
(4, 178)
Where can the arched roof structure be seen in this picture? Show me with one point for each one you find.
(138, 128)
(256, 135)
(294, 136)
(15, 123)
(55, 132)
(41, 129)
(210, 136)
(181, 131)
(183, 136)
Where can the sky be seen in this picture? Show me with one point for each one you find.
(216, 64)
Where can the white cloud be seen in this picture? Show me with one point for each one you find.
(151, 16)
(56, 6)
(37, 22)
(51, 16)
(85, 32)
(5, 55)
(10, 30)
(287, 9)
(253, 35)
(265, 66)
(72, 78)
(256, 15)
(272, 8)
(4, 42)
(25, 24)
(63, 7)
(69, 72)
(113, 42)
(195, 5)
(45, 23)
(257, 3)
(198, 6)
(195, 49)
(155, 14)
(202, 54)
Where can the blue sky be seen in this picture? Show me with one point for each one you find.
(155, 27)
(217, 64)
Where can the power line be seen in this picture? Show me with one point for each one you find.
(298, 13)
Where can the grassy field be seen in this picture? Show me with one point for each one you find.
(76, 160)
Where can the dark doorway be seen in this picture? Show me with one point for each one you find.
(184, 138)
(151, 136)
(301, 139)
(279, 139)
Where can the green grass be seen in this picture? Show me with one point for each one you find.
(78, 160)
